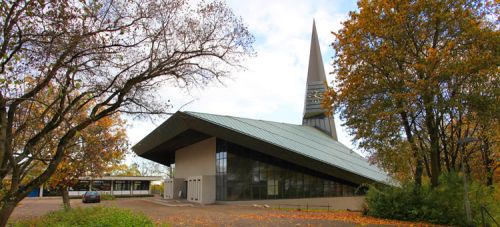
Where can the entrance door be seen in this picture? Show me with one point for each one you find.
(184, 190)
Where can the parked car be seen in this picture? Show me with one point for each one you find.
(91, 197)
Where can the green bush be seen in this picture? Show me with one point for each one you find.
(107, 197)
(92, 216)
(443, 204)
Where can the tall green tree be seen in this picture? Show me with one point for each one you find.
(410, 73)
(98, 58)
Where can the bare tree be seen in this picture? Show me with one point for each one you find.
(150, 168)
(105, 57)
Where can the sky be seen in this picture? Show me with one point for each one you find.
(273, 85)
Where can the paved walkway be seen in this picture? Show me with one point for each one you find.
(180, 213)
(172, 203)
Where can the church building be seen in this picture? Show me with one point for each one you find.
(219, 159)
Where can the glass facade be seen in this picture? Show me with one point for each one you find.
(101, 185)
(121, 185)
(141, 185)
(243, 174)
(82, 185)
(105, 185)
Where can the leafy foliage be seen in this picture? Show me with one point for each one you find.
(413, 78)
(81, 61)
(126, 170)
(141, 167)
(93, 216)
(106, 196)
(443, 204)
(98, 150)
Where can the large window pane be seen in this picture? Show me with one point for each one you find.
(141, 185)
(121, 185)
(101, 185)
(82, 185)
(244, 174)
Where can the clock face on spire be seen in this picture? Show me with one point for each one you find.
(316, 86)
(315, 96)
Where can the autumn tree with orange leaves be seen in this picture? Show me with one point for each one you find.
(414, 78)
(98, 58)
(96, 151)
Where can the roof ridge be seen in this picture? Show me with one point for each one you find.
(254, 119)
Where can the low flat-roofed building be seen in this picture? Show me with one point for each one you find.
(113, 185)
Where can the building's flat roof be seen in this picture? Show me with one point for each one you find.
(302, 145)
(144, 178)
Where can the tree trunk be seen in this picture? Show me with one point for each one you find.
(5, 211)
(487, 162)
(411, 140)
(435, 170)
(430, 123)
(490, 177)
(3, 139)
(419, 170)
(65, 198)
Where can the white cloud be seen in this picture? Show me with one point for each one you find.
(273, 86)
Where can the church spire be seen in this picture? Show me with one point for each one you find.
(316, 85)
(316, 70)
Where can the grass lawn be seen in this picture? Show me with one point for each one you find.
(90, 216)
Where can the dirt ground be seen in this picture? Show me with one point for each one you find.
(185, 214)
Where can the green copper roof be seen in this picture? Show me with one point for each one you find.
(303, 140)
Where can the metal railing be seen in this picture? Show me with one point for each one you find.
(306, 207)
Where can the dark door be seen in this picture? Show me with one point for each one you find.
(184, 190)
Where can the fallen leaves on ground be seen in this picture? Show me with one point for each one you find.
(188, 220)
(346, 216)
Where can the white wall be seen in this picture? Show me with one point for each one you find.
(196, 160)
(140, 192)
(196, 164)
(201, 189)
(168, 189)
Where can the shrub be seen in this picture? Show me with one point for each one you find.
(443, 204)
(92, 216)
(108, 197)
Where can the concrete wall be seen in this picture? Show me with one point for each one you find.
(196, 160)
(201, 189)
(172, 188)
(168, 189)
(196, 164)
(333, 203)
(208, 196)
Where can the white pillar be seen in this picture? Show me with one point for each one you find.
(165, 189)
(41, 191)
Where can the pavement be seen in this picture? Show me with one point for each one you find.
(182, 213)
